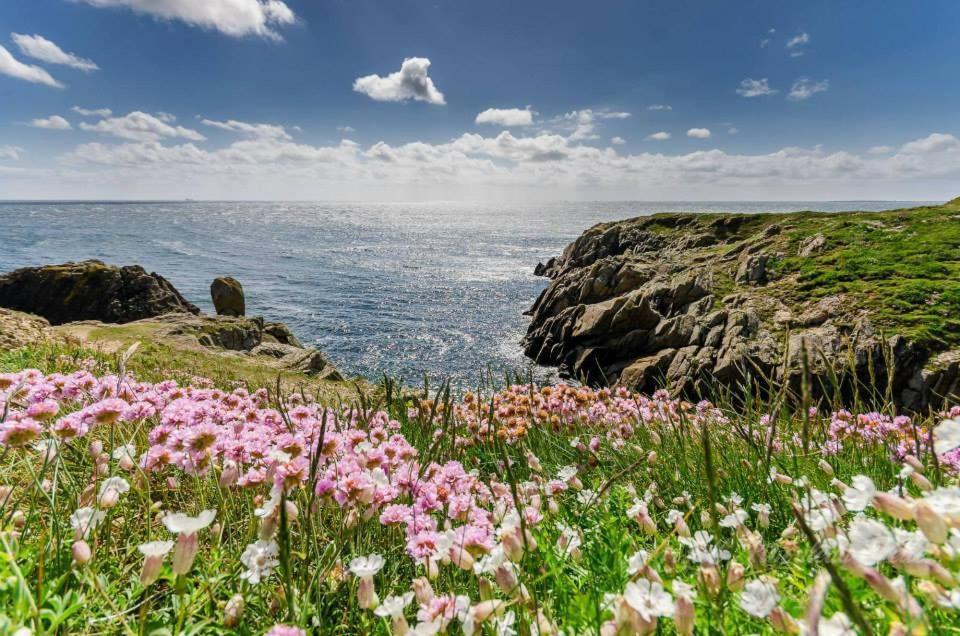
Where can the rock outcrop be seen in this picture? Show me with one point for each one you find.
(90, 290)
(694, 303)
(227, 295)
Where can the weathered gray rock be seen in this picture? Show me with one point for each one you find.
(300, 359)
(227, 295)
(812, 245)
(90, 290)
(753, 269)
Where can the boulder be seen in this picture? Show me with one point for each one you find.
(812, 245)
(18, 329)
(753, 269)
(298, 359)
(91, 290)
(227, 295)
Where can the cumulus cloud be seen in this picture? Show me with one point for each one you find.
(699, 133)
(936, 142)
(507, 117)
(618, 141)
(659, 107)
(140, 126)
(92, 112)
(805, 88)
(346, 129)
(53, 122)
(659, 136)
(271, 131)
(40, 48)
(410, 82)
(236, 18)
(797, 43)
(755, 88)
(879, 150)
(582, 123)
(10, 152)
(13, 67)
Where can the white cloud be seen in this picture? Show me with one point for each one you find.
(797, 43)
(733, 130)
(659, 107)
(13, 67)
(236, 18)
(879, 150)
(699, 133)
(410, 82)
(805, 88)
(271, 131)
(544, 165)
(937, 142)
(40, 48)
(755, 88)
(659, 136)
(618, 141)
(92, 112)
(10, 152)
(507, 117)
(53, 122)
(346, 129)
(140, 126)
(583, 122)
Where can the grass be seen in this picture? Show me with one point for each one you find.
(699, 459)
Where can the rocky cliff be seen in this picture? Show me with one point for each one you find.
(863, 304)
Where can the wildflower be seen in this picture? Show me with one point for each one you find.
(364, 568)
(763, 514)
(933, 526)
(233, 611)
(392, 608)
(81, 551)
(637, 562)
(285, 630)
(734, 519)
(870, 541)
(20, 433)
(186, 529)
(683, 614)
(504, 625)
(759, 598)
(110, 490)
(83, 520)
(946, 436)
(859, 496)
(260, 558)
(648, 599)
(125, 454)
(153, 555)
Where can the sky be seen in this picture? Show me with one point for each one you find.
(498, 100)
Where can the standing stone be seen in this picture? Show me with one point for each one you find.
(227, 295)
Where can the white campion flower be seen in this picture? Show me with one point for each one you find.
(186, 529)
(270, 504)
(870, 541)
(118, 484)
(637, 561)
(759, 598)
(153, 554)
(859, 496)
(365, 566)
(913, 543)
(945, 501)
(260, 559)
(702, 550)
(125, 450)
(818, 511)
(683, 590)
(836, 625)
(504, 625)
(586, 496)
(649, 600)
(392, 606)
(567, 473)
(946, 436)
(85, 519)
(734, 519)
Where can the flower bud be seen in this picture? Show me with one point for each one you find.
(931, 523)
(825, 467)
(736, 577)
(81, 552)
(710, 578)
(367, 594)
(95, 448)
(683, 616)
(422, 590)
(233, 611)
(896, 507)
(783, 622)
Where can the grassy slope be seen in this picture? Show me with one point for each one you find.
(903, 266)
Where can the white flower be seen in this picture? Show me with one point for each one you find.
(701, 549)
(836, 625)
(270, 504)
(683, 590)
(759, 598)
(945, 501)
(859, 496)
(125, 450)
(870, 541)
(818, 510)
(734, 499)
(392, 606)
(567, 473)
(735, 519)
(488, 564)
(648, 599)
(119, 484)
(636, 562)
(673, 516)
(83, 520)
(180, 523)
(949, 599)
(761, 508)
(366, 566)
(260, 558)
(586, 496)
(504, 624)
(914, 544)
(946, 436)
(155, 548)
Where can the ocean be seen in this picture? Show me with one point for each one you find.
(436, 289)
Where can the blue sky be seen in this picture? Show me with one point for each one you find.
(627, 99)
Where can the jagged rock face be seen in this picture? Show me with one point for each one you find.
(90, 290)
(227, 295)
(633, 305)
